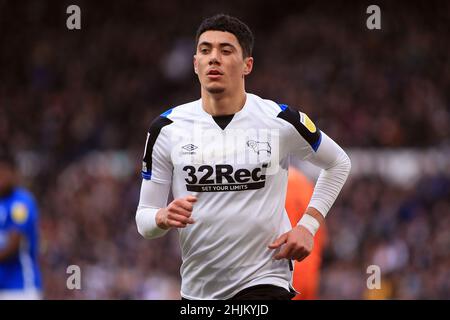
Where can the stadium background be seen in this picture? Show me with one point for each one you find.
(75, 107)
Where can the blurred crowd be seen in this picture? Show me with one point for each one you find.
(402, 230)
(65, 94)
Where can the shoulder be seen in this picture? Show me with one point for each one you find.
(160, 128)
(281, 112)
(264, 107)
(184, 112)
(302, 124)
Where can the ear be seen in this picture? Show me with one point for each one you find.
(195, 64)
(248, 65)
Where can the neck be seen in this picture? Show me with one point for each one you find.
(220, 104)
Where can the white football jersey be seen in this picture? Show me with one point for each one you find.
(239, 174)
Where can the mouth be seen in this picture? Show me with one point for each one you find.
(214, 74)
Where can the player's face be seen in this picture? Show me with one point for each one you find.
(219, 63)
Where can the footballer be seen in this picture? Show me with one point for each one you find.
(225, 158)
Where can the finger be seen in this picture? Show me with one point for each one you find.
(186, 205)
(278, 242)
(181, 215)
(285, 253)
(175, 224)
(179, 210)
(191, 199)
(181, 218)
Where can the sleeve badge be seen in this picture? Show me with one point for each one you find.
(306, 121)
(19, 213)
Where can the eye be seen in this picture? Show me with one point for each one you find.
(204, 50)
(226, 51)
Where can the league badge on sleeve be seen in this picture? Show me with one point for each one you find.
(19, 213)
(306, 121)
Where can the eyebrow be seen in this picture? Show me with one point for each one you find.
(222, 44)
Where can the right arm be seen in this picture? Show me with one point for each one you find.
(153, 218)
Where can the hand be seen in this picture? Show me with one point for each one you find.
(177, 214)
(297, 244)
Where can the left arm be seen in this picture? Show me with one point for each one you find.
(335, 164)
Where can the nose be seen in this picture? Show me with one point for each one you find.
(213, 61)
(214, 58)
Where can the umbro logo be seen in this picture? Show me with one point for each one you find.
(189, 148)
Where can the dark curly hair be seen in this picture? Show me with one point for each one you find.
(223, 22)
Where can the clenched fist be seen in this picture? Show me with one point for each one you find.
(177, 214)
